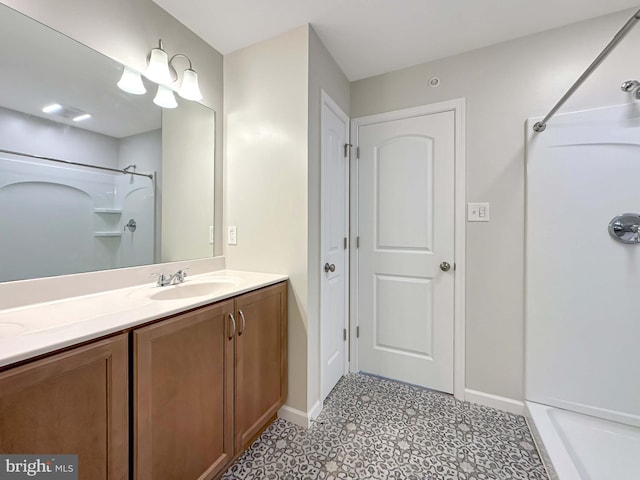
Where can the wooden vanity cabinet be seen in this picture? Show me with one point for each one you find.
(202, 386)
(183, 395)
(206, 383)
(74, 402)
(260, 361)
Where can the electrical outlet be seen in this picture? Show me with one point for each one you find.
(478, 212)
(232, 236)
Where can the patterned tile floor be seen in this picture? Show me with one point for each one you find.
(371, 428)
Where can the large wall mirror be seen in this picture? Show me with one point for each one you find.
(150, 201)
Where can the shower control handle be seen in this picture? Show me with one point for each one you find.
(329, 267)
(625, 228)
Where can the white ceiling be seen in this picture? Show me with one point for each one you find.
(369, 37)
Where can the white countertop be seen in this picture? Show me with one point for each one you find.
(32, 330)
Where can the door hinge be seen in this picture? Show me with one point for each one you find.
(357, 242)
(357, 152)
(346, 149)
(345, 243)
(358, 331)
(344, 334)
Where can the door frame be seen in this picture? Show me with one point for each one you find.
(457, 106)
(327, 102)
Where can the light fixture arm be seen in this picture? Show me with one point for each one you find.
(174, 72)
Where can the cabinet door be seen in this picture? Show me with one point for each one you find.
(183, 394)
(261, 378)
(71, 403)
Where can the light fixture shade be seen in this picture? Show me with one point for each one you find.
(189, 88)
(158, 68)
(164, 97)
(131, 82)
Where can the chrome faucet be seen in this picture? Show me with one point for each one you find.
(178, 277)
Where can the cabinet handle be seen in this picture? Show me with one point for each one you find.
(244, 322)
(233, 326)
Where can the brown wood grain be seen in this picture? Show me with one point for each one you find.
(74, 402)
(183, 396)
(260, 361)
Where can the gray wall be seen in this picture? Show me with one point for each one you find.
(18, 131)
(503, 85)
(126, 30)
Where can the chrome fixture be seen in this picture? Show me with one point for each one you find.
(329, 267)
(161, 70)
(68, 162)
(164, 279)
(131, 225)
(542, 124)
(445, 266)
(133, 167)
(625, 228)
(631, 85)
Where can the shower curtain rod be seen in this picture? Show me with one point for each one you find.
(67, 162)
(541, 125)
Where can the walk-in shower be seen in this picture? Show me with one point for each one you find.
(59, 217)
(582, 284)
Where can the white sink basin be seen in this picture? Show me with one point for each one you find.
(190, 290)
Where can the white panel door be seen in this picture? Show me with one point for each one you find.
(334, 228)
(406, 231)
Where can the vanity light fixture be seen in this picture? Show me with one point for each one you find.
(189, 88)
(161, 70)
(164, 97)
(131, 82)
(158, 66)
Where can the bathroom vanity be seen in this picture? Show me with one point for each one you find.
(178, 391)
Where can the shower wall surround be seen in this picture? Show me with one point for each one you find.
(67, 219)
(582, 285)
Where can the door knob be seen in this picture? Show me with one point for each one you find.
(329, 268)
(445, 266)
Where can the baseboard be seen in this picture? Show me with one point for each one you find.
(299, 417)
(495, 401)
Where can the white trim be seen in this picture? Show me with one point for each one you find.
(456, 105)
(495, 401)
(325, 99)
(299, 417)
(315, 410)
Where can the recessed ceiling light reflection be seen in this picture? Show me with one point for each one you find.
(82, 117)
(54, 107)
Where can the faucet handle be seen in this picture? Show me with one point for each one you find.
(182, 274)
(162, 279)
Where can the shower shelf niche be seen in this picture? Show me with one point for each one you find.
(114, 211)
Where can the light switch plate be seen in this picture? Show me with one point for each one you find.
(210, 234)
(232, 236)
(478, 212)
